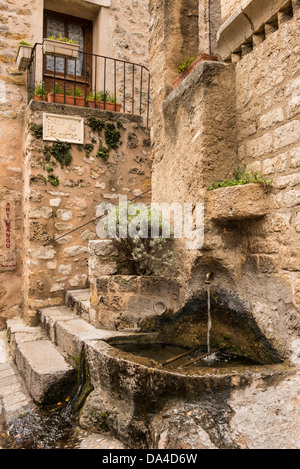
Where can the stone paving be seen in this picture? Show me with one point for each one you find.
(98, 441)
(13, 394)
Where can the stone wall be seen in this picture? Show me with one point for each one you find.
(53, 210)
(268, 130)
(228, 7)
(18, 22)
(119, 30)
(127, 302)
(124, 31)
(255, 261)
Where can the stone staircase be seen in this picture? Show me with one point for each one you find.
(38, 364)
(46, 355)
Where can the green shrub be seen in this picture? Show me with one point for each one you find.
(141, 253)
(241, 177)
(40, 90)
(60, 38)
(96, 124)
(60, 151)
(37, 130)
(112, 136)
(57, 89)
(103, 152)
(78, 92)
(182, 66)
(101, 96)
(53, 180)
(23, 43)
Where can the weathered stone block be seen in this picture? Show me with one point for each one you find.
(42, 253)
(141, 306)
(260, 146)
(40, 212)
(43, 369)
(297, 293)
(297, 222)
(237, 203)
(79, 281)
(123, 283)
(64, 215)
(287, 134)
(277, 164)
(292, 198)
(74, 251)
(272, 118)
(98, 268)
(102, 284)
(164, 287)
(103, 248)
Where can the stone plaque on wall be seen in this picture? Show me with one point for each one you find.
(64, 128)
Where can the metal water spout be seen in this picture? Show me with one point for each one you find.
(208, 278)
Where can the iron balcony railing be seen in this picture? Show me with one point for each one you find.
(90, 80)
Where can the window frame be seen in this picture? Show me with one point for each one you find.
(88, 47)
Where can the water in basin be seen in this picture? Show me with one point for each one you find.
(163, 352)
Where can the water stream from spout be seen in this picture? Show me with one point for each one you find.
(209, 322)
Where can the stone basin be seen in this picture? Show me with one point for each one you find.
(132, 392)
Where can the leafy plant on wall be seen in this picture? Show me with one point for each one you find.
(60, 152)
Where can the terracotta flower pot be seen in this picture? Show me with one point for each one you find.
(201, 58)
(107, 106)
(75, 101)
(39, 98)
(58, 98)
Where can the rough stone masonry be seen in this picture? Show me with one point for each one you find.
(120, 31)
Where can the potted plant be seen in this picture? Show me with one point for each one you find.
(23, 55)
(74, 97)
(40, 92)
(242, 197)
(104, 101)
(56, 95)
(61, 47)
(188, 64)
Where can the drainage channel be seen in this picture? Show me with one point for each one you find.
(50, 427)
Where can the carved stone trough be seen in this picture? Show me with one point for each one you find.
(237, 202)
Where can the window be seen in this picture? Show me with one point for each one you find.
(79, 30)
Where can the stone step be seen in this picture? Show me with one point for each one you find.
(14, 397)
(69, 332)
(44, 370)
(79, 302)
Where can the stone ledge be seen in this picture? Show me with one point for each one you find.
(237, 203)
(85, 112)
(100, 3)
(201, 75)
(248, 19)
